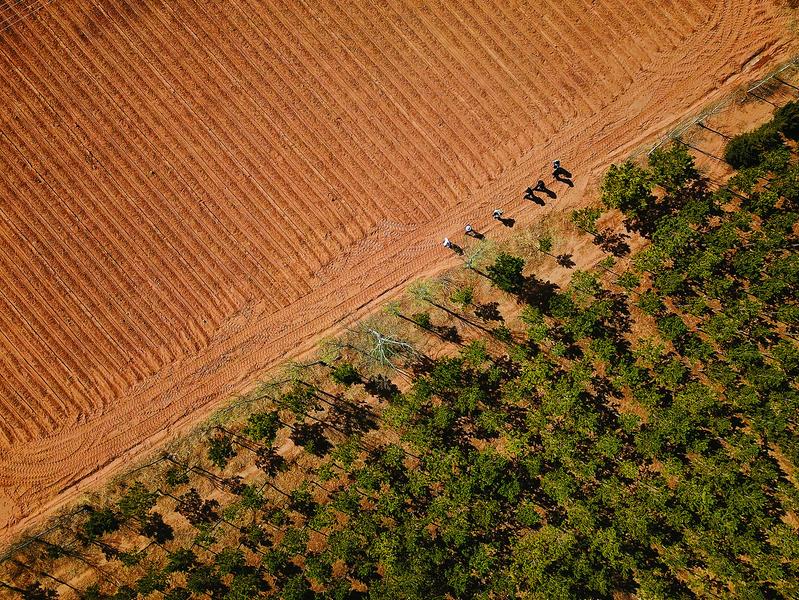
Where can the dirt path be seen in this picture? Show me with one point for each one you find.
(193, 191)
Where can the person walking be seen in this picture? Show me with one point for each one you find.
(447, 243)
(469, 230)
(497, 214)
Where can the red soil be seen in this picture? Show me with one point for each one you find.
(191, 191)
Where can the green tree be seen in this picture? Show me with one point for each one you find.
(230, 561)
(101, 521)
(137, 501)
(153, 580)
(220, 450)
(586, 219)
(263, 426)
(506, 273)
(787, 120)
(627, 187)
(204, 579)
(463, 296)
(244, 586)
(672, 167)
(748, 149)
(181, 560)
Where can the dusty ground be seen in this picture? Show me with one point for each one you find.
(192, 191)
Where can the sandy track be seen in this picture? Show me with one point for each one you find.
(191, 191)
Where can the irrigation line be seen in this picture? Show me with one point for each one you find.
(751, 93)
(684, 143)
(14, 549)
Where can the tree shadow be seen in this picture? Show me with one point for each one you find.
(422, 365)
(351, 419)
(448, 333)
(381, 386)
(565, 260)
(537, 293)
(488, 312)
(620, 320)
(509, 367)
(613, 243)
(269, 461)
(311, 436)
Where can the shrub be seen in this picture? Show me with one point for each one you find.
(748, 149)
(345, 374)
(787, 120)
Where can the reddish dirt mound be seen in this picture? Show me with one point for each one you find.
(193, 190)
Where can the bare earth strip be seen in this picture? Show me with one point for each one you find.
(191, 191)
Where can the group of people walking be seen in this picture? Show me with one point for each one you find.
(558, 172)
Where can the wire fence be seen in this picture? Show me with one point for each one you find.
(761, 90)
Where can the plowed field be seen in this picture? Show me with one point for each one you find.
(192, 190)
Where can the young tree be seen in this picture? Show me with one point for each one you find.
(263, 426)
(137, 501)
(101, 521)
(345, 374)
(586, 219)
(220, 450)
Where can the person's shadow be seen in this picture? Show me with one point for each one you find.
(475, 235)
(456, 249)
(542, 187)
(563, 176)
(529, 194)
(507, 221)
